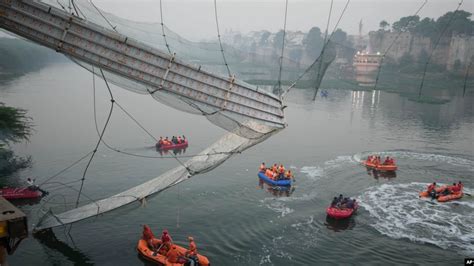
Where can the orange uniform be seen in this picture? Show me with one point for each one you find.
(172, 255)
(431, 187)
(192, 248)
(269, 173)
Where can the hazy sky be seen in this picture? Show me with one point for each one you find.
(195, 19)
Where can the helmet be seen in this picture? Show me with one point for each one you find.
(190, 238)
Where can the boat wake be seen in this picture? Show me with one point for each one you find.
(317, 172)
(399, 213)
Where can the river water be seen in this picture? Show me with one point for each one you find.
(234, 220)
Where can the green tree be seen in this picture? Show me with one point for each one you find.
(406, 24)
(264, 38)
(278, 40)
(339, 36)
(383, 25)
(14, 127)
(313, 42)
(460, 23)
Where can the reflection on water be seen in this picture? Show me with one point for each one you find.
(174, 152)
(324, 143)
(276, 191)
(376, 174)
(49, 239)
(339, 225)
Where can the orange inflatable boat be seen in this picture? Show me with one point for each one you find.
(443, 198)
(438, 190)
(380, 167)
(452, 196)
(161, 259)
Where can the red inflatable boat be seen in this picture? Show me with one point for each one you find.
(344, 213)
(10, 193)
(172, 146)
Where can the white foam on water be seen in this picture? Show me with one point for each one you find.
(316, 172)
(399, 213)
(277, 206)
(342, 160)
(313, 172)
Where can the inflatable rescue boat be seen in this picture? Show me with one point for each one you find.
(161, 259)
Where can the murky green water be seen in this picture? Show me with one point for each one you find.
(234, 221)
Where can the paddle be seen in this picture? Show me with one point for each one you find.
(467, 194)
(156, 250)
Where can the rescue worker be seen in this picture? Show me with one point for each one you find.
(281, 172)
(191, 254)
(334, 202)
(172, 255)
(387, 160)
(289, 175)
(431, 187)
(350, 203)
(166, 240)
(274, 168)
(269, 173)
(149, 237)
(432, 190)
(160, 141)
(180, 140)
(262, 168)
(455, 188)
(460, 185)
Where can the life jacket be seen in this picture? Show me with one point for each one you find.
(172, 255)
(274, 168)
(192, 249)
(179, 140)
(455, 188)
(269, 173)
(282, 170)
(165, 238)
(431, 187)
(262, 168)
(147, 233)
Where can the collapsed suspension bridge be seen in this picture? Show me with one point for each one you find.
(249, 114)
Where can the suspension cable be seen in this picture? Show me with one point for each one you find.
(65, 169)
(467, 75)
(434, 48)
(112, 101)
(102, 15)
(219, 38)
(282, 48)
(163, 29)
(322, 51)
(318, 83)
(390, 46)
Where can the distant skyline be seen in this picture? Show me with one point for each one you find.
(195, 20)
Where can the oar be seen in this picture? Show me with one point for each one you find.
(156, 250)
(467, 194)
